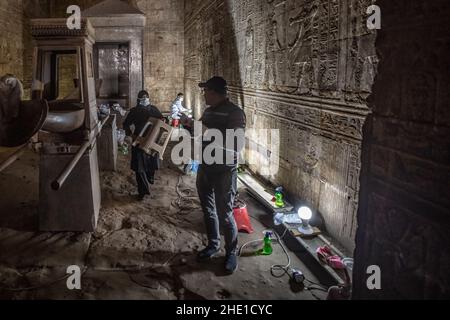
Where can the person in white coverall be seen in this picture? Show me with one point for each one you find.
(177, 110)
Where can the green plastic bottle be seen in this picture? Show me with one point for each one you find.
(267, 249)
(279, 202)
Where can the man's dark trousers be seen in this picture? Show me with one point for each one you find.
(144, 179)
(217, 192)
(145, 167)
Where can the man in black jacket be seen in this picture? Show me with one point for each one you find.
(217, 181)
(143, 164)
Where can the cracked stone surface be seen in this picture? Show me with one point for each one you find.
(141, 250)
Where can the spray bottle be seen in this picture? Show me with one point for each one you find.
(279, 202)
(267, 249)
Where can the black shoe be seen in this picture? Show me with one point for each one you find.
(141, 197)
(207, 253)
(151, 180)
(231, 263)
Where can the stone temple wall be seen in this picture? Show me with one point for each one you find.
(305, 67)
(11, 43)
(163, 45)
(404, 217)
(16, 45)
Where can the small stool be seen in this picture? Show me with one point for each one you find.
(242, 218)
(157, 139)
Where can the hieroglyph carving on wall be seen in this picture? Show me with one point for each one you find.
(304, 67)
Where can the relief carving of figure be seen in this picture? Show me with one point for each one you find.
(271, 47)
(276, 46)
(249, 54)
(217, 54)
(299, 34)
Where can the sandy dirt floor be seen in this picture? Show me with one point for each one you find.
(141, 250)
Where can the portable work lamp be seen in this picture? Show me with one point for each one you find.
(305, 215)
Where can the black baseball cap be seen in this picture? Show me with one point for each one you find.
(218, 84)
(142, 94)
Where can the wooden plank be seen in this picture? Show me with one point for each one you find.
(263, 194)
(296, 233)
(311, 244)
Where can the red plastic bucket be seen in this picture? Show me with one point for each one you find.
(175, 123)
(242, 218)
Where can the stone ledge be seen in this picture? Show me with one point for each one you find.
(308, 246)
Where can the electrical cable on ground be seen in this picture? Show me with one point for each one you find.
(284, 268)
(181, 197)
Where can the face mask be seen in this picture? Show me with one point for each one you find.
(144, 102)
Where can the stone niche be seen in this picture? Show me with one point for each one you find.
(118, 51)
